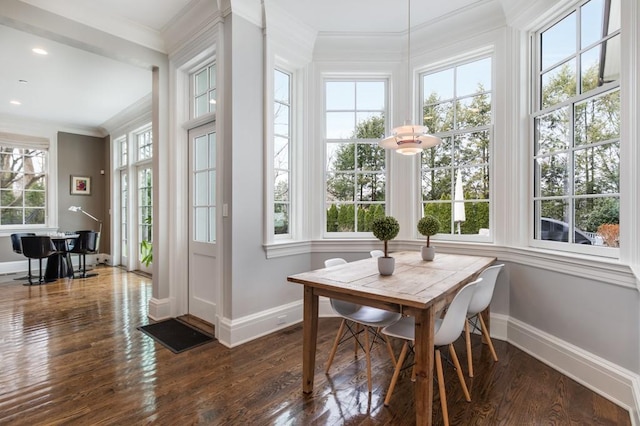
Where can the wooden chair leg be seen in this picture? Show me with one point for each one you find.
(487, 337)
(355, 341)
(467, 335)
(456, 363)
(367, 352)
(441, 389)
(396, 372)
(336, 342)
(390, 349)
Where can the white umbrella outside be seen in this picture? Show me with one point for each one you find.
(458, 202)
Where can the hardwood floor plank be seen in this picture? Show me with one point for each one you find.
(70, 354)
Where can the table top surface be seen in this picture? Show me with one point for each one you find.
(415, 282)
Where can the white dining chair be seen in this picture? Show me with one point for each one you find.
(357, 319)
(481, 299)
(376, 253)
(446, 331)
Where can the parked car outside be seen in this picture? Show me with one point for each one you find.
(556, 230)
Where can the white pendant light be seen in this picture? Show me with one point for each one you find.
(409, 139)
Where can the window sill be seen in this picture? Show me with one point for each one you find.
(604, 269)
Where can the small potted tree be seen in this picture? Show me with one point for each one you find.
(428, 226)
(385, 228)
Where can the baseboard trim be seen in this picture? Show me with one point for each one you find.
(611, 381)
(159, 309)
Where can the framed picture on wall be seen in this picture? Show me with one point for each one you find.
(80, 185)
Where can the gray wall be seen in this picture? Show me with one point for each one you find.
(80, 155)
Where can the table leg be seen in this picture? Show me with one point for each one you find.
(425, 319)
(310, 327)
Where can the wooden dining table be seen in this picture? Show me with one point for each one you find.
(418, 288)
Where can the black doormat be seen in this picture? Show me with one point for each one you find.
(175, 335)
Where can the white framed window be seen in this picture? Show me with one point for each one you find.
(282, 152)
(23, 183)
(203, 93)
(354, 166)
(455, 178)
(576, 123)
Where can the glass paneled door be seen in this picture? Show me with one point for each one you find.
(204, 259)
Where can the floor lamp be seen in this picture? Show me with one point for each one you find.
(79, 209)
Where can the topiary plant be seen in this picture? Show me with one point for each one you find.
(428, 226)
(385, 228)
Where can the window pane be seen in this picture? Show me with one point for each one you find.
(598, 119)
(436, 184)
(552, 131)
(281, 87)
(559, 84)
(370, 125)
(212, 77)
(201, 220)
(201, 105)
(281, 153)
(340, 187)
(281, 191)
(281, 219)
(200, 152)
(475, 183)
(201, 188)
(599, 216)
(597, 170)
(473, 77)
(438, 86)
(371, 187)
(439, 117)
(340, 125)
(438, 156)
(591, 21)
(559, 41)
(201, 82)
(474, 111)
(370, 95)
(472, 148)
(340, 95)
(553, 220)
(553, 175)
(370, 157)
(281, 120)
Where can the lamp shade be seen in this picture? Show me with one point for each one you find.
(409, 139)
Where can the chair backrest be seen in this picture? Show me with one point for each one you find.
(484, 291)
(37, 246)
(86, 242)
(376, 253)
(456, 315)
(334, 262)
(16, 241)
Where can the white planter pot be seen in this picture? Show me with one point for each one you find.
(428, 253)
(386, 265)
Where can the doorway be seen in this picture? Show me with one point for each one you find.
(204, 251)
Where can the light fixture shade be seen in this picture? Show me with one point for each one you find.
(409, 139)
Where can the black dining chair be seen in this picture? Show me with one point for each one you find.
(86, 243)
(16, 244)
(37, 247)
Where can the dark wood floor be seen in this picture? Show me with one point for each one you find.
(70, 353)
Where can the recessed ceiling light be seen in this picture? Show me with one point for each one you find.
(22, 81)
(14, 102)
(39, 51)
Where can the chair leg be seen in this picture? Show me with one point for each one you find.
(467, 336)
(390, 349)
(441, 389)
(456, 363)
(335, 345)
(367, 352)
(355, 341)
(30, 276)
(396, 372)
(487, 337)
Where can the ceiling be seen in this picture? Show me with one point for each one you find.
(80, 89)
